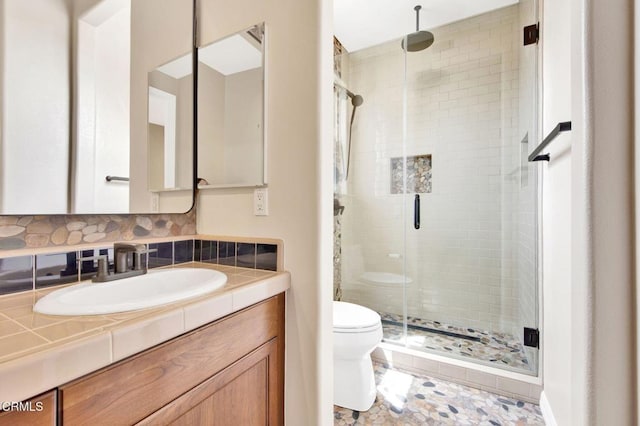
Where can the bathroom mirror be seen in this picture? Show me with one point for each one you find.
(231, 135)
(74, 88)
(170, 126)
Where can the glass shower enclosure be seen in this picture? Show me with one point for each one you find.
(435, 203)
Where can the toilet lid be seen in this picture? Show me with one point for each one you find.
(351, 316)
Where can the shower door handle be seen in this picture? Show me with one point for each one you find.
(416, 212)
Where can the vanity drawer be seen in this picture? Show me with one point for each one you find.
(132, 389)
(38, 411)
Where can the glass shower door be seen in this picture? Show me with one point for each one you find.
(469, 195)
(436, 217)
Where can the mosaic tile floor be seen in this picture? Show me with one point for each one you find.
(407, 399)
(494, 347)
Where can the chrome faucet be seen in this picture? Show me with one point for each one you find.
(127, 261)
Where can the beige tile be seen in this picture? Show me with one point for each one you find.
(428, 366)
(40, 371)
(8, 327)
(399, 359)
(257, 273)
(135, 336)
(16, 343)
(480, 378)
(513, 386)
(33, 320)
(15, 300)
(221, 268)
(72, 327)
(453, 371)
(18, 311)
(44, 291)
(254, 293)
(237, 280)
(534, 393)
(204, 312)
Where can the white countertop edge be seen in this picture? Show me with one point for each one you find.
(24, 378)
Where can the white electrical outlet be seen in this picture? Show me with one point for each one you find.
(260, 202)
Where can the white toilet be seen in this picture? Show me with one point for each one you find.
(356, 332)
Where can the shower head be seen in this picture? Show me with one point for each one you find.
(356, 100)
(418, 40)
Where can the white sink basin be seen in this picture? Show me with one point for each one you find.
(155, 288)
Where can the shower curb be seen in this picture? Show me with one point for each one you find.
(505, 383)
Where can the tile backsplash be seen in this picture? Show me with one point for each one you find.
(36, 271)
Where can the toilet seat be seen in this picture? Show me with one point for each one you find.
(351, 318)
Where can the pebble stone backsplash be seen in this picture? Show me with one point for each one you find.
(20, 232)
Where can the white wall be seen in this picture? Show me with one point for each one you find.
(557, 211)
(462, 108)
(299, 66)
(211, 146)
(588, 338)
(35, 132)
(243, 127)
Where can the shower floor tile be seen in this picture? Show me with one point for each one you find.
(408, 399)
(496, 348)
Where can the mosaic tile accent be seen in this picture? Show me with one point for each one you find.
(16, 274)
(227, 253)
(418, 174)
(337, 252)
(19, 273)
(267, 257)
(338, 50)
(409, 399)
(494, 347)
(209, 251)
(246, 255)
(162, 256)
(183, 251)
(56, 269)
(18, 232)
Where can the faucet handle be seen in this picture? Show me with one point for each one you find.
(103, 261)
(137, 259)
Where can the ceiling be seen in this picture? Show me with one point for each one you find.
(228, 56)
(359, 24)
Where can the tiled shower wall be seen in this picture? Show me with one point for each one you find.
(462, 109)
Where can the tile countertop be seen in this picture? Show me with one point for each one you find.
(40, 352)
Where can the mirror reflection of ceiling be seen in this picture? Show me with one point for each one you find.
(359, 24)
(229, 56)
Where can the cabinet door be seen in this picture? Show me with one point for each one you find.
(38, 411)
(137, 387)
(245, 393)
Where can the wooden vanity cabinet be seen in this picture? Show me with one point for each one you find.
(38, 411)
(230, 372)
